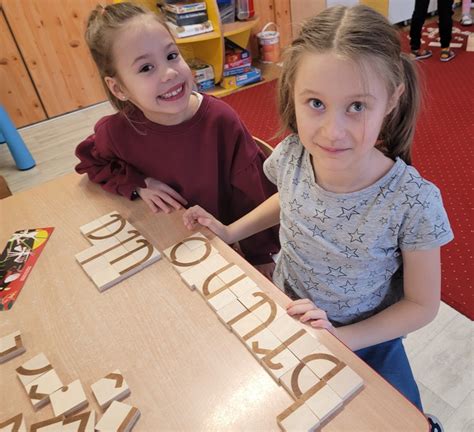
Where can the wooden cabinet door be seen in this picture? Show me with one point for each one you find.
(50, 34)
(17, 93)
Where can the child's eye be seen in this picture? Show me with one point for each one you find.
(357, 107)
(316, 104)
(173, 56)
(145, 68)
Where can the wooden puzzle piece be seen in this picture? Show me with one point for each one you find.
(262, 343)
(11, 346)
(118, 417)
(306, 345)
(470, 43)
(345, 382)
(262, 306)
(299, 380)
(324, 402)
(230, 311)
(41, 388)
(323, 362)
(298, 418)
(242, 286)
(112, 387)
(246, 325)
(279, 361)
(285, 326)
(33, 369)
(83, 422)
(118, 251)
(195, 276)
(14, 424)
(68, 399)
(183, 257)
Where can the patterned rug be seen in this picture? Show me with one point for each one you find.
(443, 151)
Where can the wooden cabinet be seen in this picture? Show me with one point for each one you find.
(50, 37)
(17, 93)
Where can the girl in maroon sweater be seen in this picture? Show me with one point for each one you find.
(168, 144)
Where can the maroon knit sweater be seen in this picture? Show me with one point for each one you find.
(210, 159)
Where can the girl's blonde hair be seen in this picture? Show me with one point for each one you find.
(103, 25)
(366, 37)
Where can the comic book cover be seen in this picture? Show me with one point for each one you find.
(17, 260)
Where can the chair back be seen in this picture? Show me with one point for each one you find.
(265, 147)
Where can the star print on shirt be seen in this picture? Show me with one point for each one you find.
(385, 190)
(412, 200)
(343, 304)
(294, 206)
(356, 236)
(295, 230)
(318, 232)
(337, 272)
(348, 213)
(416, 180)
(348, 286)
(321, 215)
(350, 253)
(438, 230)
(305, 195)
(294, 161)
(394, 229)
(310, 283)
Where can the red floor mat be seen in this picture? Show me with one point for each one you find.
(443, 153)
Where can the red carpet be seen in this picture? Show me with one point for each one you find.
(443, 153)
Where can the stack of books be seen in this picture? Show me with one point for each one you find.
(203, 74)
(187, 18)
(238, 70)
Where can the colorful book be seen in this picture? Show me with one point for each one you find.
(238, 63)
(187, 18)
(234, 52)
(236, 71)
(190, 30)
(231, 82)
(182, 8)
(17, 260)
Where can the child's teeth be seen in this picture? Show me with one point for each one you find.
(173, 93)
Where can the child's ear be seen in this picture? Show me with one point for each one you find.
(393, 102)
(115, 88)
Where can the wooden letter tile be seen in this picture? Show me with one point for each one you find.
(305, 345)
(118, 417)
(68, 399)
(243, 286)
(11, 346)
(345, 382)
(285, 326)
(111, 387)
(299, 380)
(83, 422)
(33, 369)
(14, 424)
(325, 402)
(298, 418)
(323, 362)
(230, 311)
(40, 389)
(262, 343)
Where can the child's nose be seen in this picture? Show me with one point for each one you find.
(168, 74)
(334, 127)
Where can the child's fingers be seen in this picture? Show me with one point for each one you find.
(160, 204)
(299, 309)
(315, 314)
(322, 324)
(170, 201)
(175, 195)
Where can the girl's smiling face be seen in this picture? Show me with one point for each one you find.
(151, 72)
(340, 107)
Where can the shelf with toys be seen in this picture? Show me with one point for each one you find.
(209, 47)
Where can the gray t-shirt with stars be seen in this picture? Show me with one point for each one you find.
(343, 251)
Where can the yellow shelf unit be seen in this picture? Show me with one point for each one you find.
(209, 47)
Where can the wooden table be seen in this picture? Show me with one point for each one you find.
(186, 371)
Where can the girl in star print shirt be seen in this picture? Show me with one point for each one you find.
(360, 229)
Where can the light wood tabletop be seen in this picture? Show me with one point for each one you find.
(185, 369)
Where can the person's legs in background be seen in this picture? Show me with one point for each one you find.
(466, 13)
(445, 14)
(417, 21)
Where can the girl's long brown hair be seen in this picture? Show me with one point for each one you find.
(366, 37)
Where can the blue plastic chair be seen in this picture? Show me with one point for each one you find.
(16, 145)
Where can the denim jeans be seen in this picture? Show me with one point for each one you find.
(389, 359)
